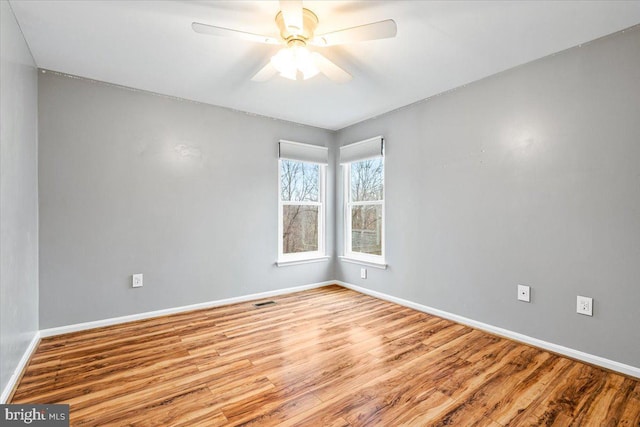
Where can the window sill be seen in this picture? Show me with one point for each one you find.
(380, 265)
(302, 261)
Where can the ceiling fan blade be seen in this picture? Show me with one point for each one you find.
(265, 73)
(292, 14)
(329, 69)
(377, 30)
(227, 32)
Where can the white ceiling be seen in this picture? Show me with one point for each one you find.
(440, 45)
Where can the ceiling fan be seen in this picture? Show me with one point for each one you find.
(297, 27)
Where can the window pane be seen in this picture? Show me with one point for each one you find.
(367, 180)
(299, 229)
(299, 181)
(366, 229)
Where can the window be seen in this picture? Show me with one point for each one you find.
(301, 207)
(364, 201)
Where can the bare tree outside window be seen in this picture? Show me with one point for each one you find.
(367, 180)
(365, 205)
(300, 198)
(299, 181)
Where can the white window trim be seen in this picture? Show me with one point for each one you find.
(311, 256)
(303, 261)
(359, 257)
(362, 262)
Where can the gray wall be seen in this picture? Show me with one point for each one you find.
(185, 193)
(531, 176)
(18, 196)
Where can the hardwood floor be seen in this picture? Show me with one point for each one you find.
(327, 356)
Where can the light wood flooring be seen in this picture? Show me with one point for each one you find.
(328, 356)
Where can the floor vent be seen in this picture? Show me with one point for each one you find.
(264, 304)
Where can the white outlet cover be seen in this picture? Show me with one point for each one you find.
(363, 273)
(584, 305)
(524, 293)
(136, 280)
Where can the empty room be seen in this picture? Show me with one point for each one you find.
(320, 213)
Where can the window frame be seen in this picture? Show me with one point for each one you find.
(348, 204)
(309, 256)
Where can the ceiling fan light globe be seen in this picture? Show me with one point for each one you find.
(284, 62)
(305, 63)
(300, 53)
(290, 61)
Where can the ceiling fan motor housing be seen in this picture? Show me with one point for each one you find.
(293, 36)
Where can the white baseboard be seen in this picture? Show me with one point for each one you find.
(21, 365)
(566, 351)
(147, 315)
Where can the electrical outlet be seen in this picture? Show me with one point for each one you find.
(585, 305)
(136, 280)
(524, 293)
(363, 273)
